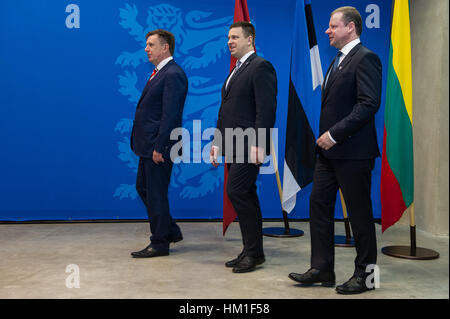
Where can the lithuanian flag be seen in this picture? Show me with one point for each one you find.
(397, 168)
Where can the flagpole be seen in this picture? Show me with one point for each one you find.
(278, 231)
(412, 230)
(347, 240)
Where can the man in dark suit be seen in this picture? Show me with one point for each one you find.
(347, 148)
(245, 117)
(158, 112)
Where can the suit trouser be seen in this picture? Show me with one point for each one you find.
(354, 179)
(152, 184)
(241, 190)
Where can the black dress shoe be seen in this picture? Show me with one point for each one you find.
(176, 239)
(149, 252)
(248, 264)
(354, 285)
(315, 276)
(234, 261)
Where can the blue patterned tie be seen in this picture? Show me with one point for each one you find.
(336, 61)
(238, 64)
(334, 67)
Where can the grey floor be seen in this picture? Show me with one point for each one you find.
(34, 259)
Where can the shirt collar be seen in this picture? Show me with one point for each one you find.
(163, 63)
(245, 57)
(349, 46)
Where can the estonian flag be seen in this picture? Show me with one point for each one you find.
(302, 129)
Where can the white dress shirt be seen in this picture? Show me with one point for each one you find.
(243, 59)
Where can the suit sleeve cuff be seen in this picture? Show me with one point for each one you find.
(331, 137)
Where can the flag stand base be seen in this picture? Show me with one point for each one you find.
(283, 232)
(412, 251)
(343, 241)
(409, 252)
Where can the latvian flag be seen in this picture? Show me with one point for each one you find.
(302, 129)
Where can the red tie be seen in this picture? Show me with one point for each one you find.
(153, 74)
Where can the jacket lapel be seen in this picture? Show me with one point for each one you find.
(238, 72)
(326, 75)
(224, 86)
(342, 65)
(155, 79)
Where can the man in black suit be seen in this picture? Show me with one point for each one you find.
(245, 117)
(347, 148)
(158, 112)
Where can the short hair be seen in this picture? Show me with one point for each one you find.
(164, 37)
(350, 14)
(247, 28)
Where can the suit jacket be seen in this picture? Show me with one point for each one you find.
(249, 101)
(159, 111)
(350, 100)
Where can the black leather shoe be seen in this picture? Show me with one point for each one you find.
(248, 264)
(315, 276)
(149, 252)
(354, 285)
(176, 239)
(234, 261)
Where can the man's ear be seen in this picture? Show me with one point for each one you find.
(250, 39)
(166, 46)
(351, 26)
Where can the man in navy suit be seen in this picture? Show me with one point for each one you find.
(347, 148)
(158, 112)
(248, 108)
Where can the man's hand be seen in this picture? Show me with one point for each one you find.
(325, 142)
(157, 157)
(257, 155)
(213, 154)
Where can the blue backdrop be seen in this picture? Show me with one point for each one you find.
(72, 72)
